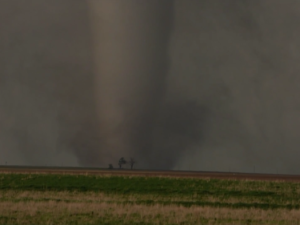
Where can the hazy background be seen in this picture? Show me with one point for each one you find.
(230, 100)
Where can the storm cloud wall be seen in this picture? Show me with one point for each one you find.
(228, 99)
(238, 59)
(46, 99)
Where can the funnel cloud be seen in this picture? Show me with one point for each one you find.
(189, 85)
(131, 64)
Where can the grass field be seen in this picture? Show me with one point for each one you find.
(88, 199)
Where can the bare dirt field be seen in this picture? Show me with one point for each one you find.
(149, 173)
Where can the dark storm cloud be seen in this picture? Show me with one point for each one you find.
(240, 57)
(207, 85)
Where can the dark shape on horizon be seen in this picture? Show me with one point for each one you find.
(132, 162)
(122, 162)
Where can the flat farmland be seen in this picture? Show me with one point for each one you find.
(91, 196)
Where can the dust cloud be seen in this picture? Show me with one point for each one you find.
(190, 85)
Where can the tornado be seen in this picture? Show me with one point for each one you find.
(130, 50)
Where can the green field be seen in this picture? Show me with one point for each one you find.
(88, 199)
